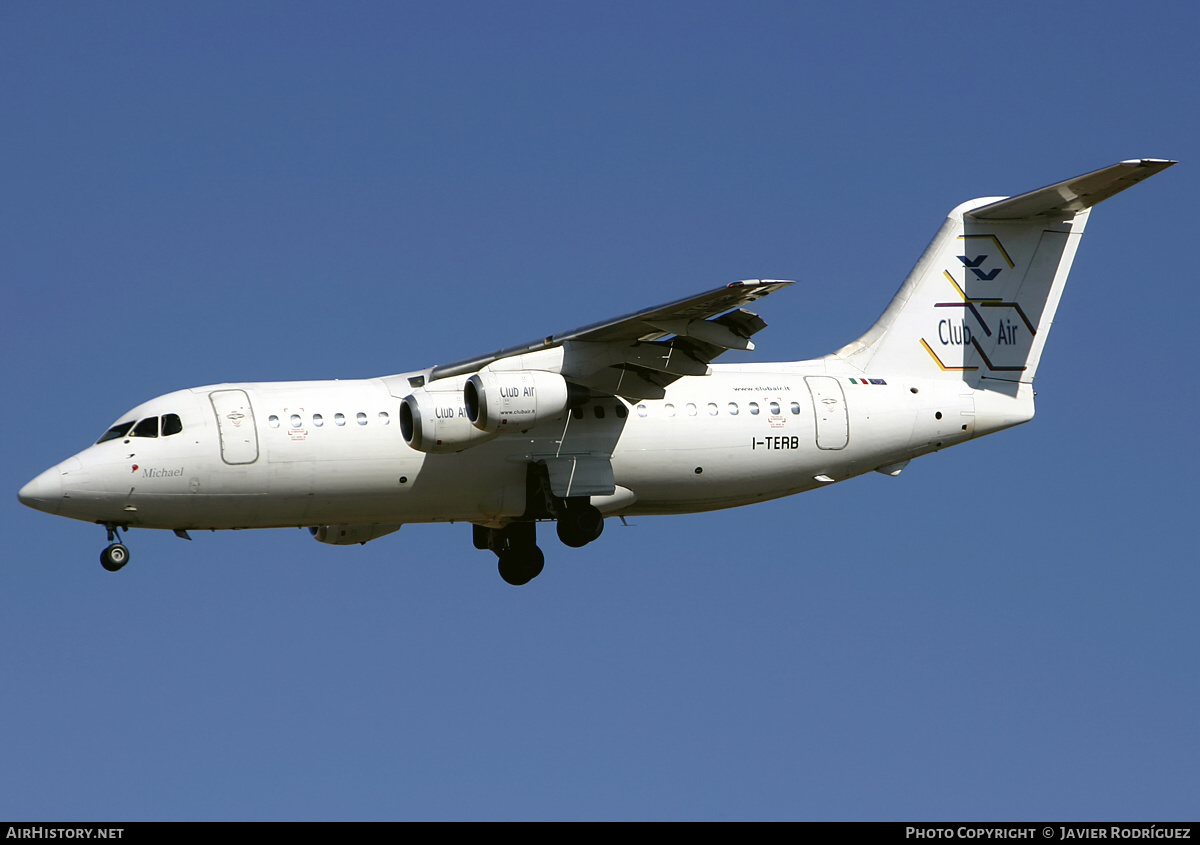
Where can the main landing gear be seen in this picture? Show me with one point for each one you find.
(520, 559)
(116, 555)
(579, 522)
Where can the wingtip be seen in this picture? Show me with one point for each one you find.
(760, 282)
(1150, 162)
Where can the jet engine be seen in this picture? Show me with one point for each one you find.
(436, 421)
(517, 401)
(345, 535)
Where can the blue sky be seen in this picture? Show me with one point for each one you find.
(205, 193)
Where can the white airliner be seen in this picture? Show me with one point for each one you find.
(622, 417)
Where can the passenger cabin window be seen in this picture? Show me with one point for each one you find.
(318, 420)
(117, 431)
(642, 410)
(712, 409)
(795, 407)
(339, 419)
(361, 417)
(733, 409)
(146, 428)
(273, 421)
(599, 412)
(774, 409)
(622, 411)
(171, 424)
(754, 407)
(383, 417)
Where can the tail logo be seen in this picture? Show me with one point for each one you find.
(973, 266)
(951, 333)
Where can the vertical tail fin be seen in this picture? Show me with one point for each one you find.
(980, 301)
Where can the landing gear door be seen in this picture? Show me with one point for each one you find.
(829, 408)
(235, 422)
(580, 475)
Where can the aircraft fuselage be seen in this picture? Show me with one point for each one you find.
(304, 453)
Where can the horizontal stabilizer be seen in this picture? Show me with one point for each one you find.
(1073, 194)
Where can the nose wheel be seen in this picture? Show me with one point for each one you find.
(116, 555)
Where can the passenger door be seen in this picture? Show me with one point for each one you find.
(235, 422)
(829, 407)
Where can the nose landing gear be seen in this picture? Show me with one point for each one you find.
(116, 555)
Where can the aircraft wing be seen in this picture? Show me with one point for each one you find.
(638, 354)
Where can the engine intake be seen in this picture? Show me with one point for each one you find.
(436, 421)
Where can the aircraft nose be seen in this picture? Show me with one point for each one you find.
(44, 493)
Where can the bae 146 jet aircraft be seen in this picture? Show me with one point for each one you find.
(622, 417)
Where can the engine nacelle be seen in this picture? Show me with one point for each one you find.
(436, 421)
(345, 535)
(517, 401)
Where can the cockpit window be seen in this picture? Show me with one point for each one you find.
(171, 425)
(118, 430)
(146, 428)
